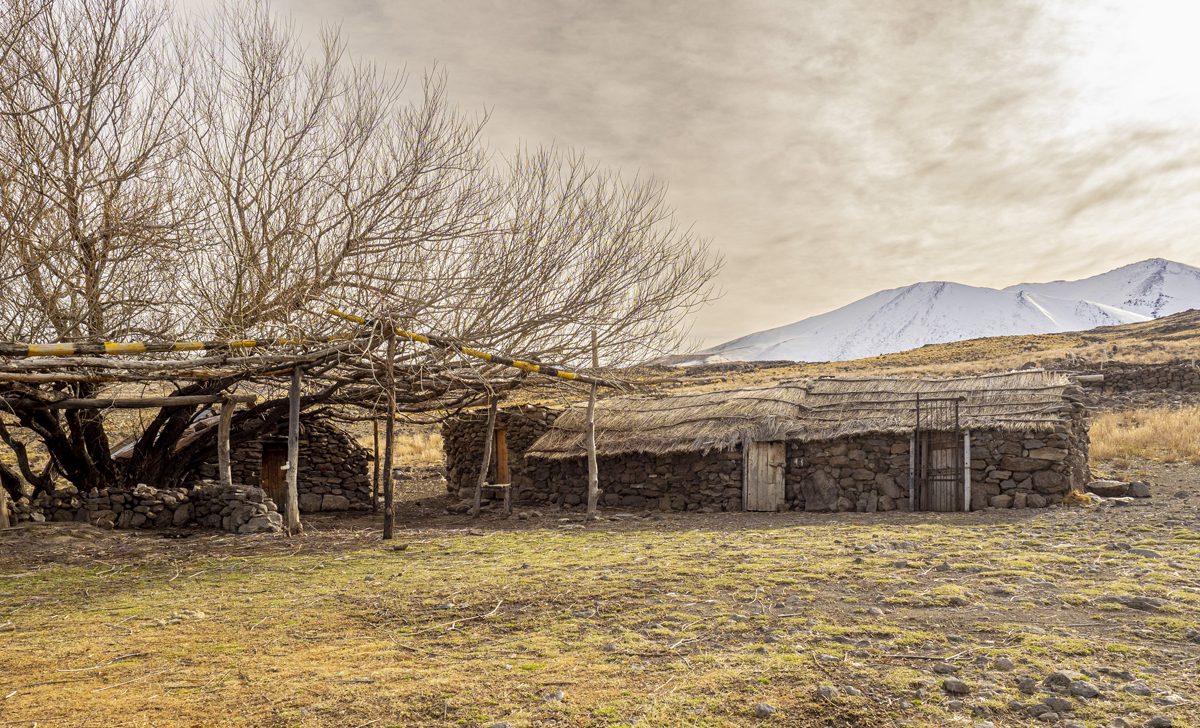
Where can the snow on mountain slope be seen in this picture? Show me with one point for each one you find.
(1154, 287)
(923, 313)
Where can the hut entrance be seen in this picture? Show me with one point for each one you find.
(938, 477)
(274, 457)
(765, 468)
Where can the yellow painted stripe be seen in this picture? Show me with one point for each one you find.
(51, 349)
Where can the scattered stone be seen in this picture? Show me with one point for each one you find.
(849, 690)
(827, 691)
(1027, 686)
(828, 658)
(1138, 688)
(1083, 689)
(1108, 488)
(501, 724)
(764, 710)
(1139, 489)
(554, 697)
(875, 611)
(1057, 704)
(1168, 700)
(1003, 663)
(954, 686)
(611, 647)
(1161, 721)
(943, 668)
(1062, 678)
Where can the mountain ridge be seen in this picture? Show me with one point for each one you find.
(933, 312)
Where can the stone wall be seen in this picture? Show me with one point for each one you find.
(463, 442)
(870, 473)
(334, 470)
(1177, 376)
(237, 509)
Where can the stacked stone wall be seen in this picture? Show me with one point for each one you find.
(463, 441)
(1177, 376)
(236, 509)
(1020, 469)
(334, 472)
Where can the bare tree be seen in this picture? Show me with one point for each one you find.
(230, 183)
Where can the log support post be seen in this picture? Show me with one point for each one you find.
(375, 471)
(389, 447)
(493, 403)
(291, 518)
(223, 466)
(966, 471)
(4, 521)
(593, 469)
(912, 472)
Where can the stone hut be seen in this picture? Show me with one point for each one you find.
(334, 470)
(830, 444)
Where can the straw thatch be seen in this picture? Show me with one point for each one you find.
(821, 409)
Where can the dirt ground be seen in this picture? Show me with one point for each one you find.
(667, 620)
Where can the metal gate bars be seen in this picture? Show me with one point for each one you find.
(938, 456)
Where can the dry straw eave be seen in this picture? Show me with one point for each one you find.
(821, 409)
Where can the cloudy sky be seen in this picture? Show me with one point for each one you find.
(834, 148)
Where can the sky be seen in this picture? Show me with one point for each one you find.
(830, 149)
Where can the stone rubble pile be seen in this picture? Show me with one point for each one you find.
(1176, 376)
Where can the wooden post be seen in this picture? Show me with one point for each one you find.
(291, 517)
(223, 428)
(966, 471)
(912, 472)
(389, 446)
(487, 455)
(593, 471)
(375, 471)
(4, 523)
(502, 473)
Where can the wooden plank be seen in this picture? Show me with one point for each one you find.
(487, 456)
(389, 446)
(223, 427)
(4, 522)
(291, 515)
(502, 474)
(777, 468)
(590, 436)
(274, 457)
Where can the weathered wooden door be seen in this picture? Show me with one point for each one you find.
(274, 457)
(765, 468)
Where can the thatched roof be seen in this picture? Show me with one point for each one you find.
(820, 409)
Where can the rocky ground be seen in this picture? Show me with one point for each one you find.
(1059, 616)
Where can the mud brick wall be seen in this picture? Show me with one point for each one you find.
(334, 471)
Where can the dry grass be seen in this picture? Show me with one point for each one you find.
(1168, 435)
(676, 623)
(420, 448)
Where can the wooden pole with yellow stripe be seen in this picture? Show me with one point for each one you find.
(94, 348)
(486, 356)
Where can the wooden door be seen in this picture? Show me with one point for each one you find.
(763, 489)
(274, 457)
(501, 449)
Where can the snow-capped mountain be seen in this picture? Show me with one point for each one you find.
(937, 312)
(1154, 287)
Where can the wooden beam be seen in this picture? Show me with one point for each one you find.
(146, 403)
(502, 473)
(223, 427)
(593, 470)
(487, 455)
(4, 522)
(389, 507)
(291, 517)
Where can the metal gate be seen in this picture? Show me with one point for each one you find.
(938, 480)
